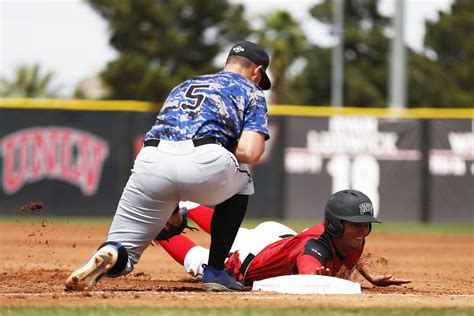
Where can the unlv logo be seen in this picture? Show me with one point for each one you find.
(366, 208)
(66, 154)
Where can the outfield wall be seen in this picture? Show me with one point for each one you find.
(416, 164)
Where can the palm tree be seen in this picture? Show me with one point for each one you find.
(28, 82)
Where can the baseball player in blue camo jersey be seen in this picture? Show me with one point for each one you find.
(209, 128)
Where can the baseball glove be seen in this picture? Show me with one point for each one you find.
(175, 225)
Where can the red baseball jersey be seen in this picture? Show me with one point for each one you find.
(300, 254)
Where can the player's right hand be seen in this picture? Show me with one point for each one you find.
(323, 271)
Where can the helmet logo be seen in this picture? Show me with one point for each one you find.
(366, 208)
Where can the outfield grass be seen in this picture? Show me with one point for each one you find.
(247, 311)
(392, 227)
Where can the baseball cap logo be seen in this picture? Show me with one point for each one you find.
(238, 49)
(366, 208)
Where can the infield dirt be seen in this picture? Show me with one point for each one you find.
(36, 258)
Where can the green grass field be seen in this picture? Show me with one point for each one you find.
(260, 311)
(390, 227)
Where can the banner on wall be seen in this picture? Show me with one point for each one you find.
(379, 157)
(76, 162)
(451, 168)
(73, 162)
(68, 155)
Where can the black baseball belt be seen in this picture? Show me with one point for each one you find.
(246, 263)
(154, 142)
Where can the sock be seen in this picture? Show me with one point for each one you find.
(177, 247)
(224, 227)
(202, 216)
(122, 258)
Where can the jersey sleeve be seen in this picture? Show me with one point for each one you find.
(315, 255)
(256, 115)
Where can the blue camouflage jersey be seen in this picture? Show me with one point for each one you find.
(220, 105)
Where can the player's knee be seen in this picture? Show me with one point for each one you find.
(122, 259)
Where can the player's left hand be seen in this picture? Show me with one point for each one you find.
(387, 280)
(176, 224)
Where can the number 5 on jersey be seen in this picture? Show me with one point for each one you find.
(194, 96)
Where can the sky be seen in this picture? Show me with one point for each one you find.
(68, 38)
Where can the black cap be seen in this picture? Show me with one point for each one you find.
(352, 206)
(257, 55)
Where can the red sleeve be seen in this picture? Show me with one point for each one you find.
(307, 264)
(202, 216)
